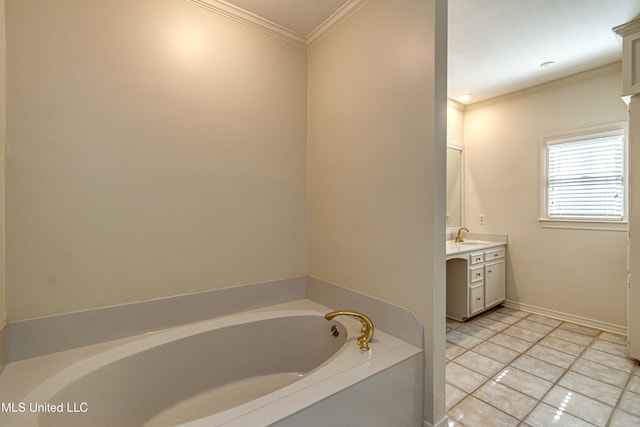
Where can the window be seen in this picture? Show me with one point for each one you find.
(584, 179)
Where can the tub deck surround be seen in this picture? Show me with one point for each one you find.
(395, 320)
(69, 376)
(35, 337)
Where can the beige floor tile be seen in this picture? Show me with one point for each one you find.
(510, 342)
(609, 347)
(572, 337)
(630, 403)
(524, 382)
(555, 357)
(504, 318)
(591, 387)
(534, 326)
(579, 373)
(623, 419)
(476, 331)
(601, 372)
(486, 322)
(513, 312)
(610, 360)
(562, 345)
(453, 351)
(547, 416)
(453, 423)
(544, 320)
(473, 412)
(463, 378)
(578, 405)
(453, 324)
(463, 340)
(538, 368)
(496, 352)
(453, 395)
(479, 363)
(579, 329)
(506, 399)
(523, 334)
(634, 384)
(616, 338)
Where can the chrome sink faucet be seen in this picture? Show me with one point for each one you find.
(459, 238)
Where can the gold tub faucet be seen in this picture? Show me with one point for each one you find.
(366, 333)
(459, 238)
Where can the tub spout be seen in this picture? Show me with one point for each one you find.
(366, 333)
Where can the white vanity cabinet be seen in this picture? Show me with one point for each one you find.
(475, 279)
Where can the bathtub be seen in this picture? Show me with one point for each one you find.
(277, 366)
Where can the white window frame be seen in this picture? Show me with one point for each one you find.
(578, 135)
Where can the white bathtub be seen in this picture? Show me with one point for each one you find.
(276, 366)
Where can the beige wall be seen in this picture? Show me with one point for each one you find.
(155, 148)
(577, 272)
(376, 166)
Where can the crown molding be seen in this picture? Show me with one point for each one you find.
(614, 67)
(629, 28)
(228, 10)
(336, 18)
(251, 19)
(452, 103)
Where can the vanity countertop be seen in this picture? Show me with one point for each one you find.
(454, 248)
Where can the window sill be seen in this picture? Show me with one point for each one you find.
(581, 224)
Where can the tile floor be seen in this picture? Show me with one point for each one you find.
(512, 368)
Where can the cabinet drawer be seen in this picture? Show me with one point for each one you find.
(476, 274)
(494, 254)
(476, 258)
(476, 299)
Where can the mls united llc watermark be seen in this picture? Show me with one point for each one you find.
(46, 407)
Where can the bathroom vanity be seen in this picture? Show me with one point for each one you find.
(475, 276)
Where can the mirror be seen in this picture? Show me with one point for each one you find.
(455, 175)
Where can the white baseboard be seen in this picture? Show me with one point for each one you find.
(605, 326)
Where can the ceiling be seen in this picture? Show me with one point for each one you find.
(496, 46)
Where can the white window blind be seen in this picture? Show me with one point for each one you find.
(585, 178)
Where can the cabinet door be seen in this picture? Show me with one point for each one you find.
(476, 299)
(494, 284)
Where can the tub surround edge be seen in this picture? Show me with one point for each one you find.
(398, 321)
(24, 339)
(35, 337)
(395, 366)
